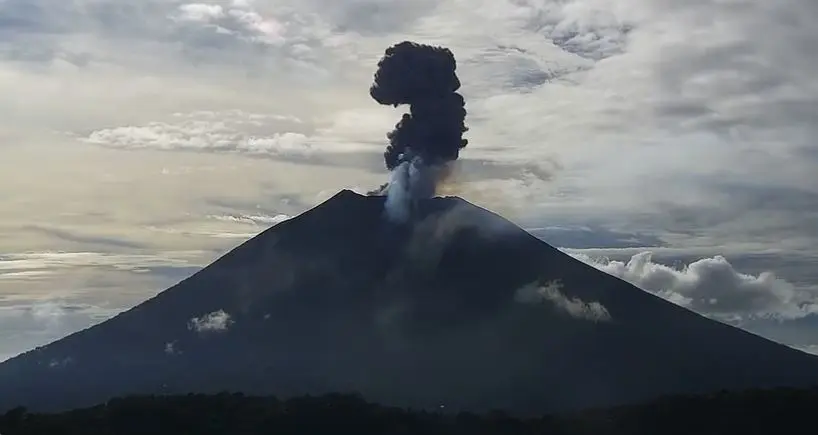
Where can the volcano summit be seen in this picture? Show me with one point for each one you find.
(459, 307)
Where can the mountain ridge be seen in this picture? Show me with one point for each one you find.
(340, 299)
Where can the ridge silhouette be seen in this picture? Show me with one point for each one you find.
(441, 311)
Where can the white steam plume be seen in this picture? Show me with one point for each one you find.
(410, 181)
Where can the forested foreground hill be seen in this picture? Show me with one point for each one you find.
(781, 411)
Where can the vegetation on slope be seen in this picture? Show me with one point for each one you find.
(778, 411)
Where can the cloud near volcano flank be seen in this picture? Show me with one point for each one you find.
(430, 136)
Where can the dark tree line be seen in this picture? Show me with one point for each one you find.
(781, 411)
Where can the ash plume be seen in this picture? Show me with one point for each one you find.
(430, 136)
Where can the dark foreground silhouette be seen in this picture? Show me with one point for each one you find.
(779, 411)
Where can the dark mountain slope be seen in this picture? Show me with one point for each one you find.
(337, 299)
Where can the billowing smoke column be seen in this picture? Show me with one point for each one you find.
(430, 136)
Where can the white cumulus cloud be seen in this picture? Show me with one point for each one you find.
(552, 293)
(215, 321)
(170, 348)
(55, 363)
(200, 12)
(713, 287)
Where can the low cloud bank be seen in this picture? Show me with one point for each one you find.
(712, 286)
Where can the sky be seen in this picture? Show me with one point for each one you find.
(668, 143)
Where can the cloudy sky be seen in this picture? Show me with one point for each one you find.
(669, 143)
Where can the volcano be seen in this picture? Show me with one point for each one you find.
(457, 308)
